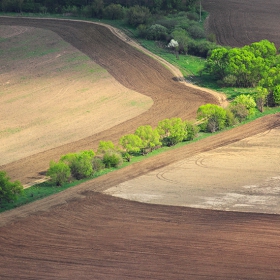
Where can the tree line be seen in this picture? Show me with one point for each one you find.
(96, 6)
(144, 140)
(169, 132)
(255, 65)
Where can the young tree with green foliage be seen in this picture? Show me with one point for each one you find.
(213, 117)
(131, 143)
(239, 111)
(138, 15)
(9, 190)
(112, 159)
(261, 98)
(171, 131)
(59, 172)
(243, 67)
(150, 138)
(80, 163)
(247, 101)
(105, 146)
(191, 131)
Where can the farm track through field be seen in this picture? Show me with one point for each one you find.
(83, 234)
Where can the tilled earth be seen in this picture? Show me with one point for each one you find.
(83, 234)
(237, 23)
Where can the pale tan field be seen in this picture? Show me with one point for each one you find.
(244, 176)
(52, 94)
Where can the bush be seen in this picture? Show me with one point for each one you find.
(247, 101)
(97, 164)
(138, 15)
(172, 131)
(59, 172)
(213, 117)
(105, 146)
(112, 159)
(239, 111)
(156, 32)
(150, 138)
(196, 32)
(229, 81)
(80, 164)
(192, 16)
(180, 35)
(191, 131)
(113, 11)
(9, 190)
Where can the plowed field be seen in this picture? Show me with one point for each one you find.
(237, 23)
(130, 67)
(83, 234)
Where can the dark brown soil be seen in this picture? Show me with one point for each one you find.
(237, 23)
(83, 234)
(102, 237)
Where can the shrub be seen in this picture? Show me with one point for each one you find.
(131, 143)
(112, 159)
(276, 95)
(213, 117)
(180, 35)
(150, 138)
(80, 163)
(138, 15)
(114, 11)
(191, 131)
(9, 190)
(196, 32)
(59, 172)
(97, 164)
(105, 146)
(239, 111)
(229, 80)
(247, 101)
(172, 131)
(156, 32)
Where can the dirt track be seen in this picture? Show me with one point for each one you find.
(82, 234)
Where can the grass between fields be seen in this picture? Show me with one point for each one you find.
(190, 67)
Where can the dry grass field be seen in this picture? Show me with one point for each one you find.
(82, 233)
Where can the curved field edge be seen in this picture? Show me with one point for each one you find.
(132, 68)
(53, 94)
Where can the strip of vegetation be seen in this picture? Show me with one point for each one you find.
(75, 168)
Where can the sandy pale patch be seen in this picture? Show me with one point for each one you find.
(244, 176)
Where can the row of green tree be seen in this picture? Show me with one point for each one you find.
(255, 65)
(144, 140)
(159, 20)
(210, 118)
(9, 190)
(169, 132)
(95, 6)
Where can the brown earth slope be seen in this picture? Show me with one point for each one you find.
(237, 22)
(131, 68)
